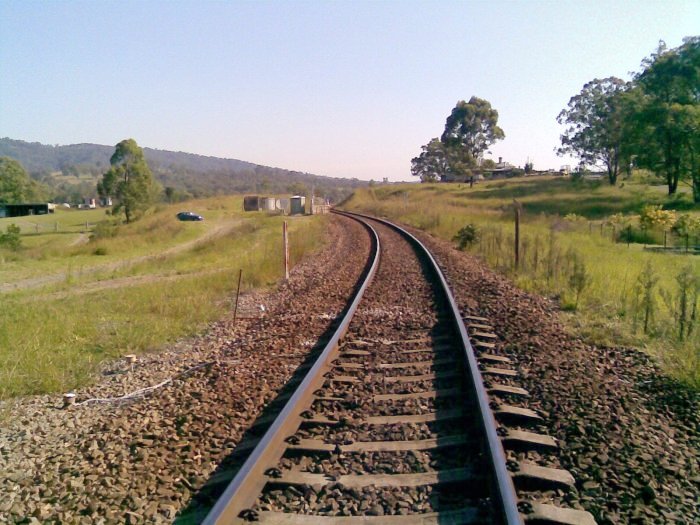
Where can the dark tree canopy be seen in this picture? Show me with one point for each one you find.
(15, 184)
(669, 117)
(653, 120)
(129, 181)
(595, 120)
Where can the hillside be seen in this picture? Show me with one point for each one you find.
(72, 171)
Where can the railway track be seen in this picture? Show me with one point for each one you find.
(409, 415)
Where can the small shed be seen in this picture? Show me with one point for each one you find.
(297, 205)
(267, 203)
(251, 203)
(283, 204)
(20, 210)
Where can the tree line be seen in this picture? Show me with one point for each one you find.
(650, 122)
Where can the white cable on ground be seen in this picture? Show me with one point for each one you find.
(141, 392)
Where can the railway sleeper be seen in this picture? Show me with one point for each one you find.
(481, 345)
(441, 415)
(448, 476)
(470, 318)
(493, 371)
(428, 394)
(545, 514)
(484, 335)
(419, 364)
(506, 390)
(516, 415)
(524, 440)
(317, 445)
(446, 374)
(481, 325)
(437, 349)
(529, 476)
(464, 516)
(495, 358)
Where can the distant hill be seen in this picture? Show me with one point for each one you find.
(73, 171)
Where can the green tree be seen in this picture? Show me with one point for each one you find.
(15, 184)
(472, 127)
(596, 121)
(431, 165)
(129, 181)
(669, 117)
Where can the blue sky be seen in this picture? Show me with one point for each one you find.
(335, 88)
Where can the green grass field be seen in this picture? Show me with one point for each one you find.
(68, 306)
(599, 283)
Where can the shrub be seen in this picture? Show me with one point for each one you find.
(104, 230)
(579, 279)
(467, 236)
(11, 238)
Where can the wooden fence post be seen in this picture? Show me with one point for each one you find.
(285, 238)
(518, 208)
(238, 291)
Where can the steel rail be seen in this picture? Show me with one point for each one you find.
(243, 490)
(505, 490)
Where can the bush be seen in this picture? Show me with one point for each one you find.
(11, 239)
(104, 230)
(466, 236)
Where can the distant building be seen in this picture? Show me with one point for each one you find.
(21, 210)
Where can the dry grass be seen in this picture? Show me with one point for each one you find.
(159, 280)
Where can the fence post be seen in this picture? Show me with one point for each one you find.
(285, 240)
(518, 208)
(238, 291)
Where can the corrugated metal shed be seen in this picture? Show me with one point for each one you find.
(297, 205)
(267, 203)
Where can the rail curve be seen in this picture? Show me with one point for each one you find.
(456, 421)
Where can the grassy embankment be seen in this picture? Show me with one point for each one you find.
(612, 304)
(78, 301)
